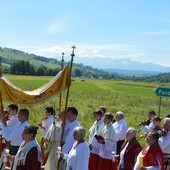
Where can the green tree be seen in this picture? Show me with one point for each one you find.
(40, 71)
(77, 72)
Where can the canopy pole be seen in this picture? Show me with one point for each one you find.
(60, 97)
(66, 103)
(2, 116)
(0, 67)
(1, 106)
(1, 102)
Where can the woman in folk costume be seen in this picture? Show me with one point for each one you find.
(107, 144)
(96, 129)
(28, 156)
(129, 150)
(151, 157)
(45, 125)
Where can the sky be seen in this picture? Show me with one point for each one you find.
(116, 29)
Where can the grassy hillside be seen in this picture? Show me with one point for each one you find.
(134, 99)
(10, 55)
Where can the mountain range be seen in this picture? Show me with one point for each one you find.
(123, 66)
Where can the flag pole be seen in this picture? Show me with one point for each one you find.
(66, 103)
(60, 97)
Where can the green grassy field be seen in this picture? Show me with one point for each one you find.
(134, 99)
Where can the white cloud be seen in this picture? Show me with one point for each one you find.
(113, 51)
(102, 51)
(82, 50)
(59, 26)
(117, 47)
(54, 28)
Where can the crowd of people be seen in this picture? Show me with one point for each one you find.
(112, 144)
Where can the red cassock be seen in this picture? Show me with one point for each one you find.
(93, 161)
(106, 164)
(32, 162)
(152, 155)
(131, 153)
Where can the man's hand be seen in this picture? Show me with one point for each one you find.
(90, 146)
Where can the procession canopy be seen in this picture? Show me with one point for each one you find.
(14, 94)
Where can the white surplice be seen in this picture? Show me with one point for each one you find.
(78, 157)
(96, 129)
(110, 136)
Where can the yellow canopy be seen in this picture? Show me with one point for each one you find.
(11, 93)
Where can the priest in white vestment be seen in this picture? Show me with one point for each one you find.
(52, 141)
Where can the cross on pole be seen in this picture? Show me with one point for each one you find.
(62, 60)
(73, 47)
(62, 56)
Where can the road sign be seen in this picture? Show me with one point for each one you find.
(162, 91)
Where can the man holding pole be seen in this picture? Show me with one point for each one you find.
(72, 114)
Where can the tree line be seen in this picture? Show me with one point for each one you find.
(83, 73)
(21, 67)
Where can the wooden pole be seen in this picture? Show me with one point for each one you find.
(1, 102)
(159, 111)
(60, 97)
(0, 67)
(1, 106)
(66, 103)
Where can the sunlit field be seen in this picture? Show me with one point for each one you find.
(134, 99)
